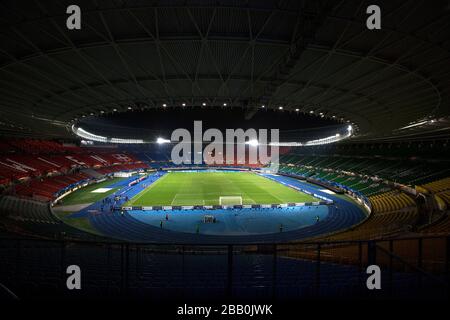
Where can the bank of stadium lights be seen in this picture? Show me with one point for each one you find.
(94, 137)
(204, 104)
(129, 108)
(280, 108)
(311, 112)
(183, 104)
(224, 104)
(417, 124)
(327, 140)
(127, 141)
(164, 105)
(331, 139)
(162, 140)
(263, 106)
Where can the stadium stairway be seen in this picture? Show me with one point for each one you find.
(91, 173)
(439, 227)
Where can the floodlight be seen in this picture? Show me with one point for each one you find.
(162, 140)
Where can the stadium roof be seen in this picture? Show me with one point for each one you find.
(315, 56)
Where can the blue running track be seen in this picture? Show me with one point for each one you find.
(141, 226)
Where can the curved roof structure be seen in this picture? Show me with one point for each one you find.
(314, 56)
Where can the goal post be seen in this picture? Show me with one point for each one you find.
(230, 200)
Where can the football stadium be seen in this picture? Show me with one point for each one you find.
(211, 151)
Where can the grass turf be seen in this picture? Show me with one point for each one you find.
(85, 195)
(81, 223)
(205, 188)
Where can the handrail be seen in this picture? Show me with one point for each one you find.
(116, 242)
(11, 294)
(406, 263)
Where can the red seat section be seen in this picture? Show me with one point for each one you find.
(42, 146)
(47, 188)
(5, 147)
(41, 169)
(4, 181)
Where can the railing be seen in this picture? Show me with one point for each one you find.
(410, 268)
(6, 294)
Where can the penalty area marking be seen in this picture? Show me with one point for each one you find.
(193, 200)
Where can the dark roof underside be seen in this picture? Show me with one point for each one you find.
(308, 55)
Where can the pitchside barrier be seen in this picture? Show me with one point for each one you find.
(337, 188)
(220, 207)
(136, 181)
(327, 200)
(355, 195)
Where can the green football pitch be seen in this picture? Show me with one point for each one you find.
(206, 188)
